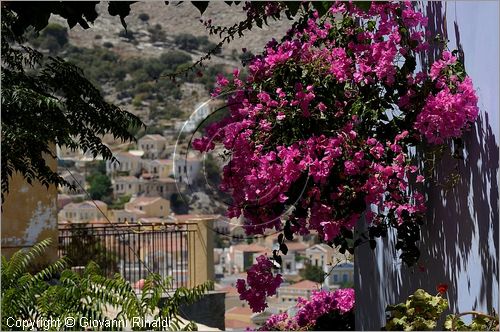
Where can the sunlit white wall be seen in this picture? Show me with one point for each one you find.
(460, 241)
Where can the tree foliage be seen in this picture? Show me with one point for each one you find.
(100, 186)
(57, 293)
(48, 101)
(313, 273)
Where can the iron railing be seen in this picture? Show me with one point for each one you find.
(132, 250)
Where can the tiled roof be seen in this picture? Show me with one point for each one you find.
(249, 248)
(240, 311)
(145, 200)
(230, 291)
(305, 284)
(237, 324)
(296, 246)
(322, 247)
(87, 204)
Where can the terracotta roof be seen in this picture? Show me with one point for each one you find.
(249, 248)
(126, 154)
(237, 324)
(230, 291)
(323, 247)
(305, 284)
(87, 204)
(144, 200)
(135, 211)
(240, 311)
(296, 246)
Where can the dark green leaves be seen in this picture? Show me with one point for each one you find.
(200, 5)
(120, 8)
(54, 104)
(363, 5)
(292, 8)
(284, 248)
(288, 231)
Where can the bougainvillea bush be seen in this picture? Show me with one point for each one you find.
(320, 131)
(324, 311)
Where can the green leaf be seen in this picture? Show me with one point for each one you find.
(293, 7)
(200, 5)
(284, 248)
(363, 5)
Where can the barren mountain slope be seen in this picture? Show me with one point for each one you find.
(174, 19)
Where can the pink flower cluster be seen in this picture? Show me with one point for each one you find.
(261, 283)
(314, 127)
(308, 311)
(447, 113)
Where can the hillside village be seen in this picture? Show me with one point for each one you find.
(159, 181)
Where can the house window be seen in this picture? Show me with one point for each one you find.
(335, 278)
(316, 262)
(129, 186)
(140, 208)
(179, 169)
(117, 187)
(185, 169)
(119, 219)
(161, 207)
(345, 277)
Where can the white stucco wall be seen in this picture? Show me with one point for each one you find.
(459, 243)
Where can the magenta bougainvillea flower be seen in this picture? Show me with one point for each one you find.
(319, 132)
(321, 303)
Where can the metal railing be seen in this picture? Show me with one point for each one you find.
(133, 250)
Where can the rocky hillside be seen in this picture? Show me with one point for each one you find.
(152, 28)
(174, 19)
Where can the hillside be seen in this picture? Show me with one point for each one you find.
(174, 19)
(121, 63)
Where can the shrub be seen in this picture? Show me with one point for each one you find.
(56, 293)
(144, 17)
(57, 31)
(186, 41)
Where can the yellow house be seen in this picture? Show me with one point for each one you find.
(161, 168)
(122, 216)
(29, 214)
(130, 185)
(83, 212)
(289, 294)
(149, 206)
(152, 145)
(129, 161)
